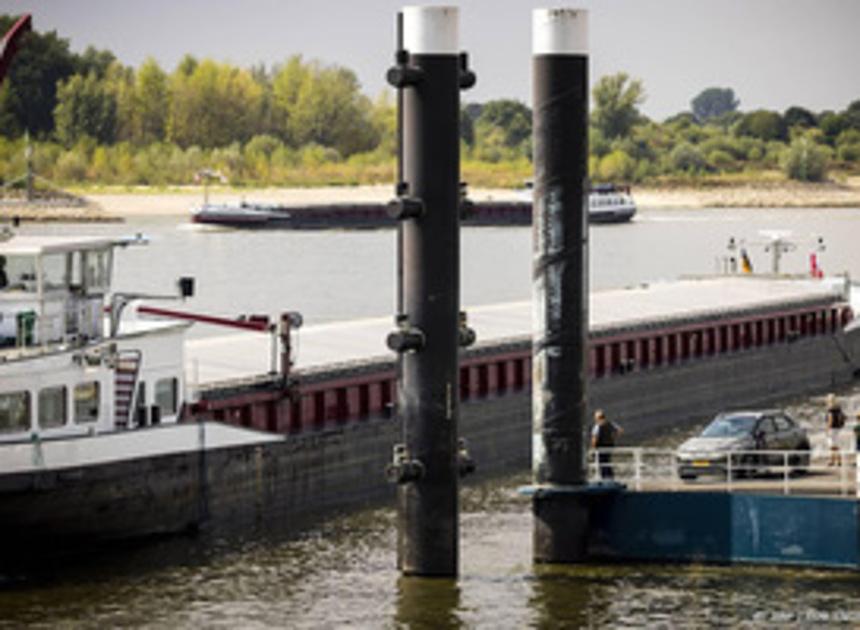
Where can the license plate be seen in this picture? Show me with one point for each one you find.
(701, 463)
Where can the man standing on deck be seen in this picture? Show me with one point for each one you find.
(834, 420)
(603, 436)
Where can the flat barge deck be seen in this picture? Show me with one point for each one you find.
(659, 355)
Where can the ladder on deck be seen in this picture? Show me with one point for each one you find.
(125, 382)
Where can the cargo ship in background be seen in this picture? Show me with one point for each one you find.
(608, 203)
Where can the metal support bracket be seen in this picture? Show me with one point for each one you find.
(465, 464)
(467, 77)
(403, 469)
(406, 338)
(402, 75)
(405, 208)
(467, 335)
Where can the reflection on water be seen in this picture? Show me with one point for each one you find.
(428, 603)
(342, 573)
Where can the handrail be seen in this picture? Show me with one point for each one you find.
(775, 471)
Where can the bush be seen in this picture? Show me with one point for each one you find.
(849, 152)
(617, 167)
(723, 144)
(71, 167)
(686, 157)
(762, 124)
(805, 161)
(721, 160)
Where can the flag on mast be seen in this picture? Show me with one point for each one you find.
(746, 264)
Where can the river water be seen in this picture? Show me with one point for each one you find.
(342, 573)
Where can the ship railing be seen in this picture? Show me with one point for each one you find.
(816, 472)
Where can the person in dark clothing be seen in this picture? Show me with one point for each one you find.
(4, 280)
(603, 436)
(834, 420)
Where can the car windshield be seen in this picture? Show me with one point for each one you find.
(729, 426)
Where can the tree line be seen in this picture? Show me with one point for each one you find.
(302, 122)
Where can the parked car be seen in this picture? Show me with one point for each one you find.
(744, 440)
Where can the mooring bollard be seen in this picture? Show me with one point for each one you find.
(429, 72)
(560, 246)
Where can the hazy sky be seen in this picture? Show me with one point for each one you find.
(773, 53)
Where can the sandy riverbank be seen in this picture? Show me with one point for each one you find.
(177, 202)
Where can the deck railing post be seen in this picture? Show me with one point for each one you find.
(729, 472)
(637, 466)
(785, 473)
(857, 473)
(843, 472)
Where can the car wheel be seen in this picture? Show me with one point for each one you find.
(800, 463)
(686, 476)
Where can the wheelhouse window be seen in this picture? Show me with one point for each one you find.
(166, 398)
(54, 272)
(52, 407)
(20, 274)
(87, 402)
(97, 268)
(14, 412)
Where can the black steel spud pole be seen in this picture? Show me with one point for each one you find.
(426, 467)
(560, 281)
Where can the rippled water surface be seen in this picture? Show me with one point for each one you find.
(342, 573)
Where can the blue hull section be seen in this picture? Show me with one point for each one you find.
(725, 528)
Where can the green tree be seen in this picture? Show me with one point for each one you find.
(383, 117)
(616, 102)
(286, 85)
(85, 108)
(762, 124)
(119, 81)
(151, 103)
(94, 61)
(852, 115)
(29, 96)
(805, 160)
(713, 103)
(467, 125)
(323, 105)
(831, 125)
(798, 117)
(512, 118)
(215, 105)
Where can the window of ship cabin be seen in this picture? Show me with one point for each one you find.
(96, 266)
(21, 273)
(52, 407)
(14, 412)
(54, 275)
(166, 390)
(87, 402)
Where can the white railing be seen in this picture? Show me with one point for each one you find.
(782, 472)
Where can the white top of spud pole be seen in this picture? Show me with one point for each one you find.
(560, 32)
(431, 30)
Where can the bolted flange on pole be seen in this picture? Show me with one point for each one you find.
(429, 72)
(560, 281)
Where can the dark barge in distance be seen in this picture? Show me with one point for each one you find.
(608, 203)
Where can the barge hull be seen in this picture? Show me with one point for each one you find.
(285, 485)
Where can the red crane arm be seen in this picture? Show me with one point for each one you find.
(11, 42)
